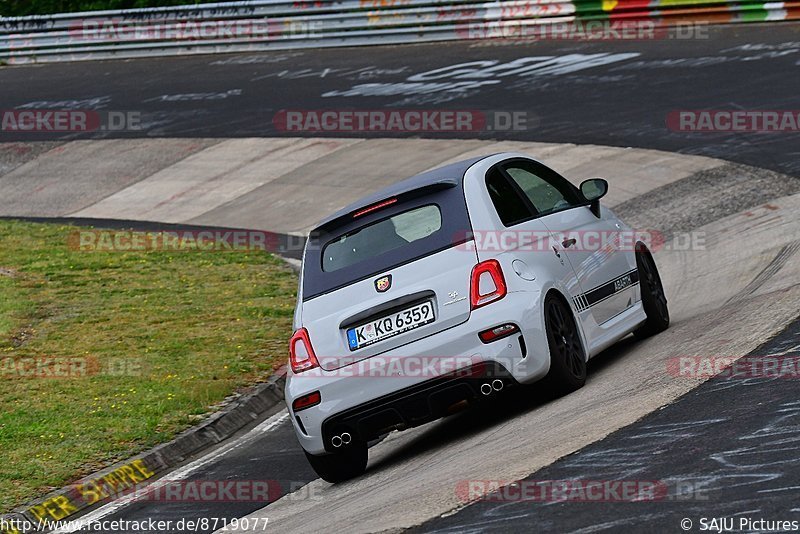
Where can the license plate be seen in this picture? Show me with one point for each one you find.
(390, 325)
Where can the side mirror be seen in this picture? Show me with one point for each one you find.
(593, 190)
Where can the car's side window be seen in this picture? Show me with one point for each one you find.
(510, 206)
(546, 190)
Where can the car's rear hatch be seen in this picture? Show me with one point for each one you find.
(387, 274)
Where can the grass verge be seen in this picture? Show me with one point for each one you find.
(145, 343)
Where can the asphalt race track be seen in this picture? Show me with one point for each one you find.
(607, 93)
(723, 447)
(715, 459)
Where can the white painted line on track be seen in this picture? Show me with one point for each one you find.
(178, 474)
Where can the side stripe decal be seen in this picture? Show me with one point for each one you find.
(586, 300)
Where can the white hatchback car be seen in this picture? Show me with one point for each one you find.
(451, 286)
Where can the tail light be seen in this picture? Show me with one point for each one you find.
(374, 207)
(301, 354)
(487, 284)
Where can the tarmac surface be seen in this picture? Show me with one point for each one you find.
(210, 153)
(609, 92)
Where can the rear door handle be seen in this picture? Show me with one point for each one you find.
(569, 242)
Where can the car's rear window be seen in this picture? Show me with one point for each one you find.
(382, 236)
(356, 247)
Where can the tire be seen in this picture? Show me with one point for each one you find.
(567, 357)
(654, 300)
(340, 466)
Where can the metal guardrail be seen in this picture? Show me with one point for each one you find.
(283, 24)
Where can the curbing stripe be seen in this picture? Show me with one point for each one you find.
(135, 473)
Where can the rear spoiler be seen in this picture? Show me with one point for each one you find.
(376, 203)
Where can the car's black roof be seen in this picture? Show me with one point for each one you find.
(452, 173)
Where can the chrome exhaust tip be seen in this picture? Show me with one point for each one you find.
(346, 438)
(497, 384)
(336, 441)
(486, 388)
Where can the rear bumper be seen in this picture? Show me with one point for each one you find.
(365, 403)
(415, 405)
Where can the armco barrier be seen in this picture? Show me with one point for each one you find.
(281, 24)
